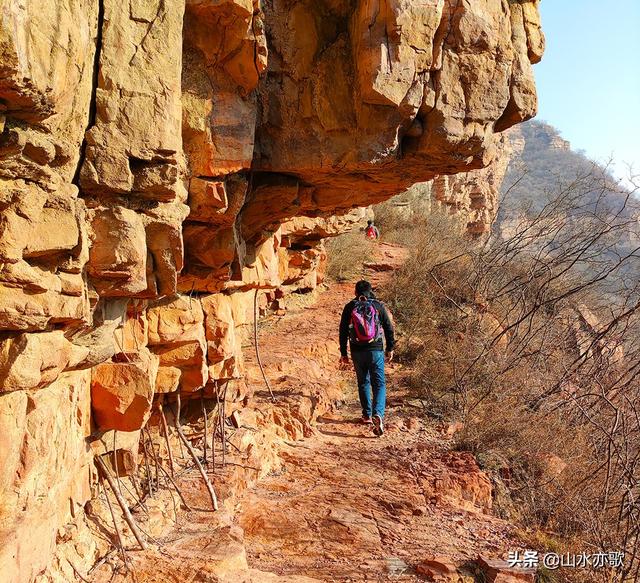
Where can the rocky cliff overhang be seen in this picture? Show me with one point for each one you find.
(151, 156)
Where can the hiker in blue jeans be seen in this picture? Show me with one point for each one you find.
(366, 326)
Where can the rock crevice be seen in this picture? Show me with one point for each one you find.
(159, 161)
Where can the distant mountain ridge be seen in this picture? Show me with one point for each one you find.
(543, 164)
(545, 170)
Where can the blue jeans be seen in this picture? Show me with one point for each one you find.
(369, 368)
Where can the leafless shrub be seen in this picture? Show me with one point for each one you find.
(532, 339)
(346, 255)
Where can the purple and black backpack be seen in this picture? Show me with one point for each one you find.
(365, 322)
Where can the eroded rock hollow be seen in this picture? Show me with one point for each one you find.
(161, 160)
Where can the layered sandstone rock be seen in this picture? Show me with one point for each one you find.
(155, 160)
(377, 97)
(46, 470)
(122, 392)
(469, 198)
(472, 197)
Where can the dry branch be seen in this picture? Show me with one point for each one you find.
(165, 430)
(255, 339)
(194, 457)
(122, 503)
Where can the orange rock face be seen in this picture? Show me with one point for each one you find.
(121, 392)
(45, 470)
(161, 162)
(423, 85)
(472, 197)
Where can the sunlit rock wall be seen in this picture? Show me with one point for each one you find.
(153, 158)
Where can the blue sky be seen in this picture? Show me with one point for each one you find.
(589, 80)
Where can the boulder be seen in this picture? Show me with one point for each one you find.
(177, 337)
(168, 379)
(499, 571)
(31, 298)
(118, 255)
(122, 392)
(175, 320)
(441, 569)
(224, 351)
(462, 484)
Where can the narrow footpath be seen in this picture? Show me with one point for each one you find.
(347, 506)
(309, 494)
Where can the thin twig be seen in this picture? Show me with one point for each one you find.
(173, 483)
(138, 492)
(123, 505)
(101, 561)
(255, 339)
(77, 573)
(165, 429)
(212, 494)
(215, 426)
(206, 425)
(223, 428)
(177, 420)
(115, 460)
(155, 457)
(115, 525)
(138, 501)
(146, 463)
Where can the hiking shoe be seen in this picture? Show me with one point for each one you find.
(378, 425)
(366, 420)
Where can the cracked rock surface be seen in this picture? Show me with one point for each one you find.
(161, 160)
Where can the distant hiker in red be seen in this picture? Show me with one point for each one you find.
(371, 232)
(365, 323)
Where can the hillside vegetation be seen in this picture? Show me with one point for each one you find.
(531, 340)
(543, 164)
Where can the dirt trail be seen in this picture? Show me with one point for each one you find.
(347, 506)
(336, 504)
(350, 507)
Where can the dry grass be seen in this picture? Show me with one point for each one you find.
(346, 255)
(490, 338)
(402, 218)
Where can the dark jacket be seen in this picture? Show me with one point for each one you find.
(387, 326)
